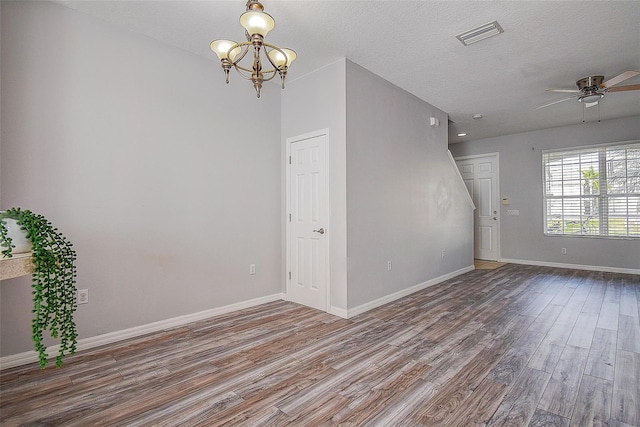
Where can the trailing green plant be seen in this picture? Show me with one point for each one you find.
(53, 281)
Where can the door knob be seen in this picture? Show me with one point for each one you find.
(495, 218)
(321, 231)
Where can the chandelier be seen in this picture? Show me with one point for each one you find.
(257, 24)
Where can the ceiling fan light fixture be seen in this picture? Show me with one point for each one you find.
(480, 33)
(592, 89)
(590, 97)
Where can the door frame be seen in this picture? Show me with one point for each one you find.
(289, 142)
(499, 205)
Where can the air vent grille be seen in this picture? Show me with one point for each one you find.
(480, 33)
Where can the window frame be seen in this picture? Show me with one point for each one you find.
(603, 197)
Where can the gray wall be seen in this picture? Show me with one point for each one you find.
(394, 194)
(143, 157)
(314, 102)
(405, 203)
(522, 236)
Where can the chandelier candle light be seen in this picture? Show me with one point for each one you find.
(257, 24)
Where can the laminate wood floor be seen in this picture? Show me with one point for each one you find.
(517, 346)
(480, 264)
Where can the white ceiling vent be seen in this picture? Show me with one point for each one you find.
(480, 33)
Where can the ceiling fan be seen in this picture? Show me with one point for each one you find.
(593, 88)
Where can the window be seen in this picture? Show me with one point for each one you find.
(592, 191)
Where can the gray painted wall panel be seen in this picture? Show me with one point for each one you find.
(522, 236)
(310, 103)
(143, 156)
(404, 204)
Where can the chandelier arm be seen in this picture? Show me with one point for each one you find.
(282, 71)
(239, 69)
(249, 70)
(245, 49)
(279, 50)
(272, 72)
(235, 64)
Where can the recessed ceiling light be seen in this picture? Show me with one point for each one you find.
(480, 33)
(477, 116)
(462, 134)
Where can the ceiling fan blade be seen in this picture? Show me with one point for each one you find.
(623, 88)
(590, 104)
(556, 102)
(563, 90)
(620, 78)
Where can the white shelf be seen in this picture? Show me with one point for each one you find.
(16, 266)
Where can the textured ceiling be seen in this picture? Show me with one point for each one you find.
(545, 44)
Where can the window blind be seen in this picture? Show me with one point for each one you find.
(592, 191)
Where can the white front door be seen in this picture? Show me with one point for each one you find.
(308, 241)
(480, 175)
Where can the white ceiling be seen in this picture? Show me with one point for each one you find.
(545, 44)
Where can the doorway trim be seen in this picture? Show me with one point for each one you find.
(496, 155)
(289, 142)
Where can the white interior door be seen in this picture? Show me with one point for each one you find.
(480, 175)
(308, 241)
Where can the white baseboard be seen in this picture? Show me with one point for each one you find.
(340, 312)
(91, 342)
(403, 293)
(573, 266)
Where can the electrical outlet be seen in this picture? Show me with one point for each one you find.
(389, 265)
(564, 251)
(252, 269)
(443, 253)
(83, 296)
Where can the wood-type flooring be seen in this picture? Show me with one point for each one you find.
(515, 346)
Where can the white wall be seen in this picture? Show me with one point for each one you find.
(405, 203)
(313, 102)
(146, 160)
(522, 236)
